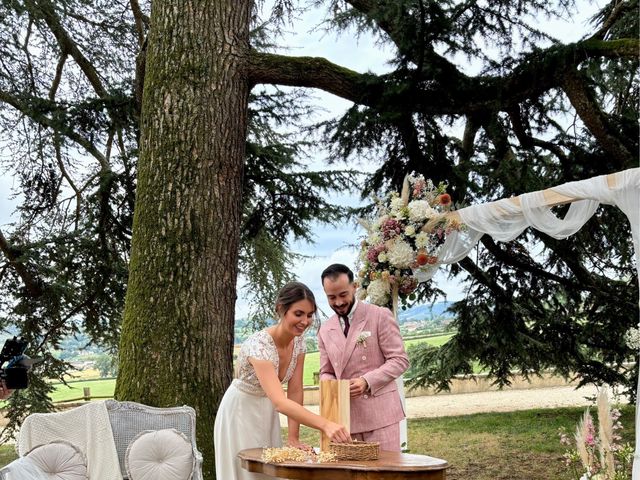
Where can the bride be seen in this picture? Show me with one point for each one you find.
(248, 414)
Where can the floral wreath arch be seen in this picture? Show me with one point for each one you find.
(416, 232)
(404, 240)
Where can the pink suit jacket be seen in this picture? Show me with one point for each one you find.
(380, 361)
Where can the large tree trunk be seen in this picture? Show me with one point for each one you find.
(177, 333)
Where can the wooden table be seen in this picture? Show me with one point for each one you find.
(390, 466)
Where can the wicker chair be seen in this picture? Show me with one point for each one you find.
(129, 419)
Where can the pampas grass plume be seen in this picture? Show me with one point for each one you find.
(605, 429)
(581, 439)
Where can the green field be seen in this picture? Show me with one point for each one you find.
(73, 390)
(435, 340)
(105, 388)
(312, 359)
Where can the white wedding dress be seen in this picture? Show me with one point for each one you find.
(246, 417)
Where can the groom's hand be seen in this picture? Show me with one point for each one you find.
(358, 386)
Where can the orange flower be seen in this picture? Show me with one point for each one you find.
(422, 258)
(444, 199)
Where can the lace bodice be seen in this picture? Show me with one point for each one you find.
(261, 346)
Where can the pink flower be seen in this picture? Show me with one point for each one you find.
(615, 414)
(372, 254)
(407, 286)
(390, 228)
(418, 187)
(590, 433)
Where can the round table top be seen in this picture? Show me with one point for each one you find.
(393, 463)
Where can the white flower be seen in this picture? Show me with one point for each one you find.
(632, 337)
(374, 238)
(379, 291)
(396, 205)
(382, 257)
(419, 210)
(410, 231)
(422, 240)
(400, 254)
(362, 338)
(362, 294)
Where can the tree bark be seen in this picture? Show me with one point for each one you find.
(177, 333)
(582, 99)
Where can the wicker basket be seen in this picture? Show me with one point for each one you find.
(355, 450)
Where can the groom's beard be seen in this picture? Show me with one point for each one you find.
(346, 309)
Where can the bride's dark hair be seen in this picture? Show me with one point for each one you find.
(291, 293)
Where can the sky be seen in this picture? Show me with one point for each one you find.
(336, 244)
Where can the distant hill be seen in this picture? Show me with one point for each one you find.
(423, 312)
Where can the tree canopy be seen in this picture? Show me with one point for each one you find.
(538, 113)
(533, 112)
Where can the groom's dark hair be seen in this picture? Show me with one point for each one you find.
(334, 271)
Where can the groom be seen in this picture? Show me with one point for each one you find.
(362, 344)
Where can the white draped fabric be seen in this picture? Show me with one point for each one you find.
(86, 427)
(505, 219)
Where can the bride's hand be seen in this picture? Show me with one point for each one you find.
(302, 446)
(336, 432)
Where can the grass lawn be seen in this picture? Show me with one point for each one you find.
(106, 387)
(497, 446)
(485, 446)
(7, 454)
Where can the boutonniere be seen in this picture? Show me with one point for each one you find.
(362, 339)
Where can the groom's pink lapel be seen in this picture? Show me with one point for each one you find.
(358, 323)
(335, 343)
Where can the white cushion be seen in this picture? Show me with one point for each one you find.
(59, 460)
(160, 455)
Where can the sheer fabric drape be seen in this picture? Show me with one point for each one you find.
(505, 219)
